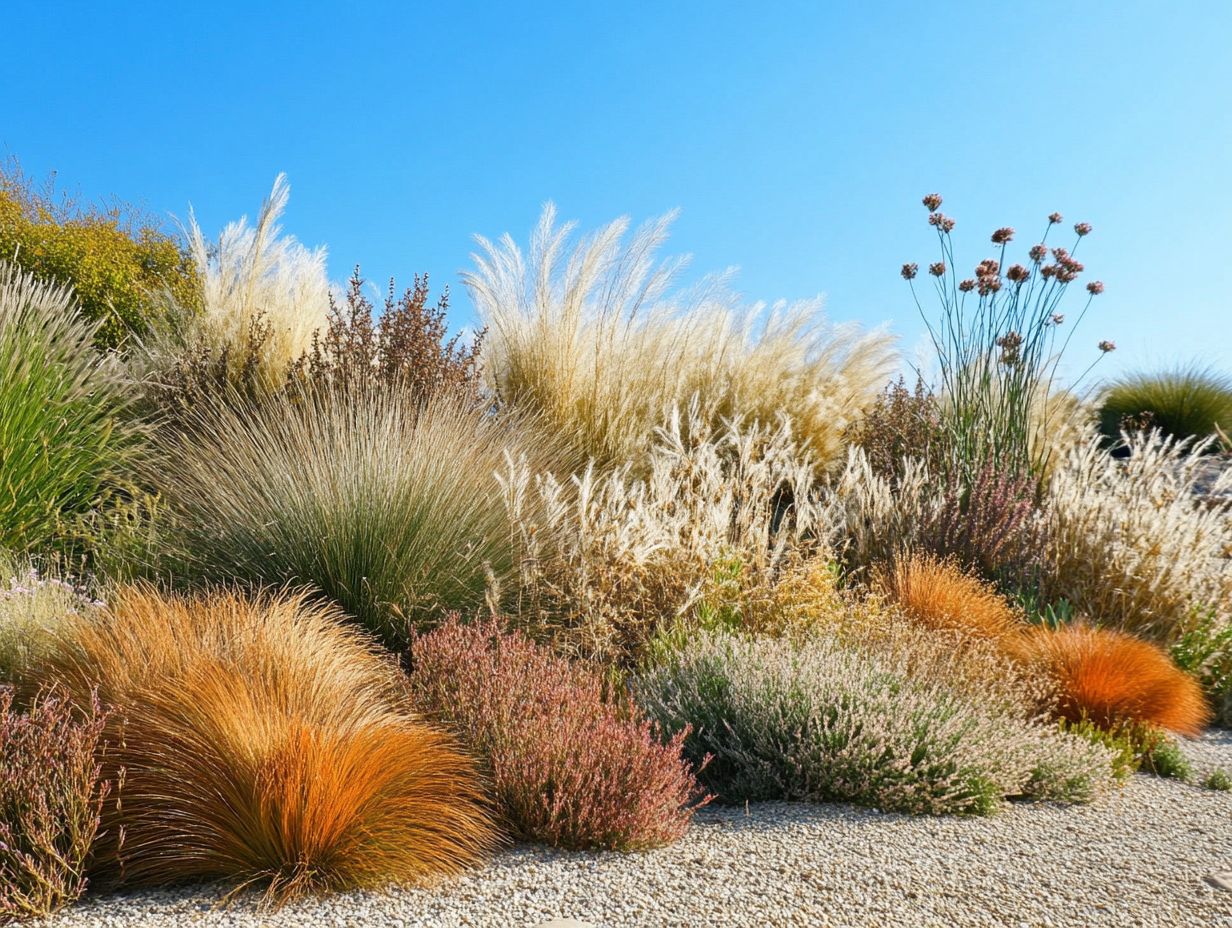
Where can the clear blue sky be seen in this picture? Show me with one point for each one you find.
(796, 138)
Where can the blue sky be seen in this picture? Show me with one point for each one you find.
(796, 138)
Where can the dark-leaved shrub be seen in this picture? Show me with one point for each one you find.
(51, 798)
(568, 767)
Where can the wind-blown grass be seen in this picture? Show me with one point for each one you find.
(1186, 402)
(392, 511)
(589, 337)
(264, 742)
(62, 433)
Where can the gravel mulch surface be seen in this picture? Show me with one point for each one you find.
(1136, 858)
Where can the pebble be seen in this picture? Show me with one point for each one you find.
(1144, 856)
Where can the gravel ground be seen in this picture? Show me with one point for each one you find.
(1136, 858)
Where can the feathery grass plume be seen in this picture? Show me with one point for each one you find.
(940, 595)
(589, 336)
(1113, 678)
(568, 767)
(389, 509)
(826, 722)
(609, 559)
(51, 800)
(1130, 545)
(265, 742)
(1186, 402)
(62, 428)
(258, 275)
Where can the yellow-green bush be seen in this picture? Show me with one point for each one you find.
(116, 260)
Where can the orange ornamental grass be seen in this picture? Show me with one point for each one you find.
(265, 743)
(940, 595)
(1111, 677)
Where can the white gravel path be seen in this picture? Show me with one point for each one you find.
(1136, 858)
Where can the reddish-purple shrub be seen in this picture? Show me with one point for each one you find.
(51, 798)
(568, 767)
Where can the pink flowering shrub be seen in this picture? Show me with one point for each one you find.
(568, 767)
(51, 798)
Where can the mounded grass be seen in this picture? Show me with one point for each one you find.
(938, 594)
(1112, 678)
(568, 767)
(391, 510)
(266, 743)
(1185, 402)
(62, 431)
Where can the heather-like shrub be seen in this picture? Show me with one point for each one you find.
(1187, 402)
(940, 595)
(901, 424)
(63, 436)
(115, 259)
(51, 799)
(568, 767)
(609, 560)
(821, 721)
(32, 607)
(1130, 546)
(1112, 678)
(997, 350)
(589, 337)
(408, 348)
(388, 509)
(265, 742)
(254, 277)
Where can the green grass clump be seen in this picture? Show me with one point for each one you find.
(1187, 402)
(391, 510)
(63, 440)
(1218, 780)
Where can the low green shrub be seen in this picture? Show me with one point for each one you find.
(1206, 652)
(1218, 780)
(118, 263)
(1186, 402)
(822, 722)
(63, 437)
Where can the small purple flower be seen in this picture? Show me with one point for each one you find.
(1083, 228)
(941, 221)
(932, 201)
(1038, 253)
(967, 285)
(1018, 274)
(1003, 235)
(909, 271)
(1105, 346)
(1054, 218)
(937, 268)
(1095, 287)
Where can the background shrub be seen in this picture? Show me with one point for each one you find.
(1187, 402)
(264, 742)
(51, 798)
(823, 722)
(590, 339)
(568, 768)
(119, 264)
(1113, 678)
(390, 510)
(62, 405)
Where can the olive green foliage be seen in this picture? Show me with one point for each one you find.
(63, 441)
(120, 264)
(1206, 652)
(1186, 402)
(1218, 780)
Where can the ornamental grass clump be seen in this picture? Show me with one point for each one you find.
(33, 605)
(827, 722)
(568, 767)
(266, 743)
(940, 595)
(1186, 402)
(590, 337)
(1129, 543)
(64, 436)
(388, 508)
(997, 346)
(1112, 679)
(51, 798)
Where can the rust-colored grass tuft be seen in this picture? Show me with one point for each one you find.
(1111, 677)
(265, 743)
(938, 594)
